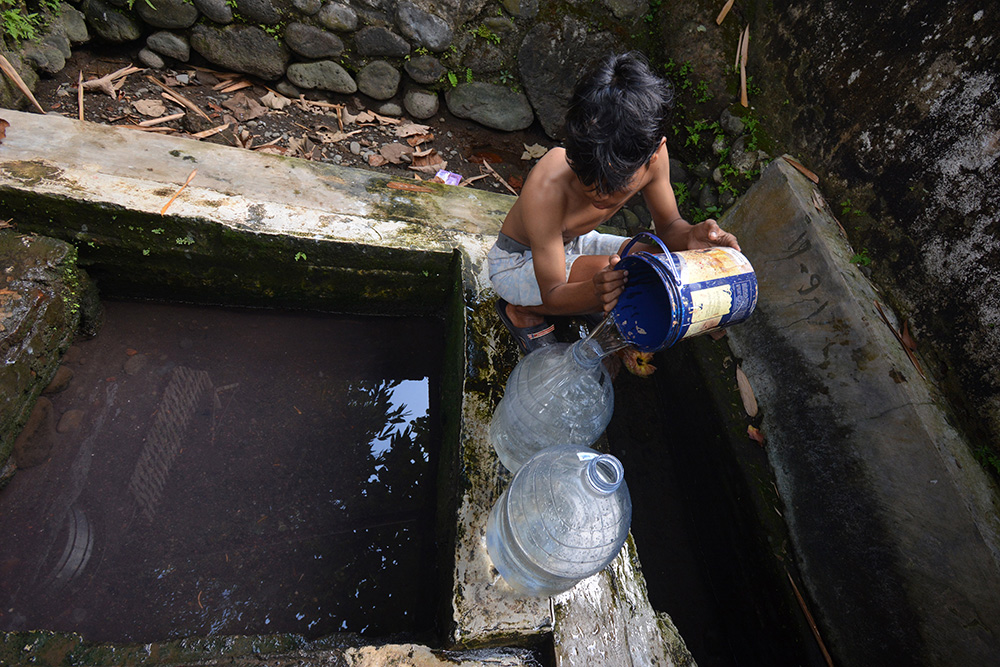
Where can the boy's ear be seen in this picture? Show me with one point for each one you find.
(656, 153)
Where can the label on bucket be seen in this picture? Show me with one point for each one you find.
(721, 285)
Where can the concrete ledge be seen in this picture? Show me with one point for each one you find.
(894, 524)
(265, 227)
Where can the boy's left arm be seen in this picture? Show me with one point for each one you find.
(672, 229)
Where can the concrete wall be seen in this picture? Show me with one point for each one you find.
(894, 105)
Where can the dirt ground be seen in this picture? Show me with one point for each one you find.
(236, 110)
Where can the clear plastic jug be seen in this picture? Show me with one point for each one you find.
(563, 518)
(557, 395)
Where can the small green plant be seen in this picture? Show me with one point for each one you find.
(18, 24)
(682, 193)
(184, 240)
(468, 75)
(861, 258)
(694, 131)
(300, 255)
(158, 230)
(452, 79)
(506, 78)
(701, 92)
(421, 51)
(752, 127)
(846, 208)
(988, 459)
(145, 251)
(702, 214)
(483, 31)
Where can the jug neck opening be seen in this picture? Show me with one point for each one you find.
(605, 473)
(602, 341)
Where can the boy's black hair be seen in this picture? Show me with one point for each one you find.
(613, 123)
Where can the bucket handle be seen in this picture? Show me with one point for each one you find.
(653, 239)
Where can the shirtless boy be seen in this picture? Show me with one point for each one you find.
(548, 260)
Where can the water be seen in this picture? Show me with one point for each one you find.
(233, 472)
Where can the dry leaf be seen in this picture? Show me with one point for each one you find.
(638, 363)
(907, 338)
(275, 101)
(805, 172)
(533, 152)
(334, 137)
(245, 108)
(418, 139)
(430, 162)
(395, 152)
(376, 160)
(410, 129)
(722, 14)
(409, 187)
(746, 392)
(756, 435)
(152, 108)
(424, 153)
(3, 129)
(363, 117)
(385, 120)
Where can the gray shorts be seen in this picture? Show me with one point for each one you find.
(513, 273)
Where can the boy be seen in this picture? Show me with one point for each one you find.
(548, 260)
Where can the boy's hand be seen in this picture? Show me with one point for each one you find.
(708, 234)
(609, 283)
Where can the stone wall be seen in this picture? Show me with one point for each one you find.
(895, 106)
(499, 62)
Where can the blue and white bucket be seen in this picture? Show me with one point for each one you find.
(670, 296)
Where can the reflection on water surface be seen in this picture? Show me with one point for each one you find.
(219, 471)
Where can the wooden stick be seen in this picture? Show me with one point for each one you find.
(812, 622)
(79, 94)
(239, 85)
(165, 119)
(9, 70)
(167, 205)
(204, 134)
(499, 177)
(722, 14)
(180, 99)
(899, 337)
(148, 129)
(743, 68)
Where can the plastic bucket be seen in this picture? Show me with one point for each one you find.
(670, 296)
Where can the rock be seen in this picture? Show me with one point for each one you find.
(623, 9)
(550, 61)
(379, 80)
(59, 40)
(38, 315)
(34, 444)
(324, 75)
(702, 170)
(258, 11)
(424, 69)
(286, 88)
(355, 148)
(527, 9)
(242, 48)
(390, 109)
(743, 161)
(169, 44)
(338, 17)
(422, 27)
(73, 24)
(486, 58)
(11, 96)
(732, 125)
(70, 421)
(631, 222)
(44, 58)
(707, 197)
(7, 471)
(216, 10)
(312, 42)
(62, 378)
(73, 355)
(307, 7)
(420, 103)
(151, 58)
(494, 106)
(167, 13)
(110, 24)
(678, 174)
(379, 41)
(135, 363)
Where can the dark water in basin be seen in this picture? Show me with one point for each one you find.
(232, 472)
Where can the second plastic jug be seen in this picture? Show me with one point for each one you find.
(558, 395)
(564, 517)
